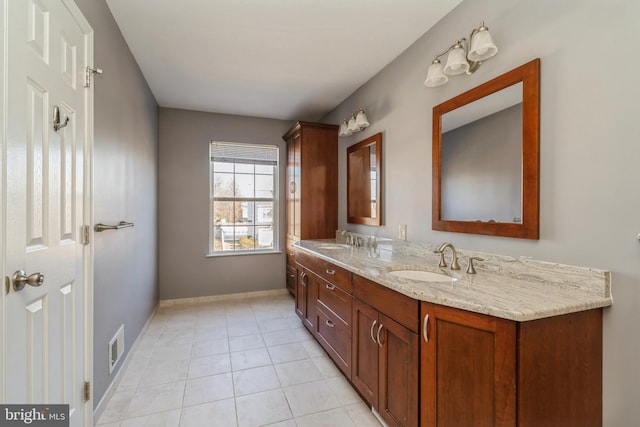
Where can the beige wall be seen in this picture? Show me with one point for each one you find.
(590, 198)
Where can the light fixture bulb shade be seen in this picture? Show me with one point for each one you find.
(482, 46)
(352, 124)
(344, 129)
(456, 62)
(361, 120)
(435, 76)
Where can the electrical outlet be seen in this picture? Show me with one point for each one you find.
(402, 232)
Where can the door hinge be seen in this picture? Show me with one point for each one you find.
(88, 72)
(85, 235)
(86, 391)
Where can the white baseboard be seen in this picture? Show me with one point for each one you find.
(214, 298)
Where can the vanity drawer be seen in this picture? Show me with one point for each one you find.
(328, 271)
(335, 299)
(400, 308)
(335, 337)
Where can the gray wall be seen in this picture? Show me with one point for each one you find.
(183, 183)
(590, 199)
(124, 188)
(482, 169)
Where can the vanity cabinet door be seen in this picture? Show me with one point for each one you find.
(292, 276)
(365, 354)
(398, 374)
(468, 369)
(306, 297)
(301, 294)
(385, 365)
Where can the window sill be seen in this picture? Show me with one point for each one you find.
(243, 253)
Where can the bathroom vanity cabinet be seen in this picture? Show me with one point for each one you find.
(418, 363)
(366, 329)
(312, 187)
(485, 371)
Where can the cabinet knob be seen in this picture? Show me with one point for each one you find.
(330, 286)
(330, 272)
(330, 323)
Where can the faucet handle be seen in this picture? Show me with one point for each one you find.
(470, 268)
(442, 262)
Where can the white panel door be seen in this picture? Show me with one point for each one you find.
(44, 326)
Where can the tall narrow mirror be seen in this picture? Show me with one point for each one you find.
(364, 161)
(486, 157)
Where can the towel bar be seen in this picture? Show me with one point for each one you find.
(122, 224)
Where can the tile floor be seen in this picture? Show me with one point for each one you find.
(240, 362)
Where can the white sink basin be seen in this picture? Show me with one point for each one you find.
(332, 246)
(422, 276)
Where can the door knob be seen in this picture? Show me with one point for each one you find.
(20, 280)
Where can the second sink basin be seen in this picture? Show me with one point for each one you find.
(422, 276)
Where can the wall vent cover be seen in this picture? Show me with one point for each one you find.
(116, 348)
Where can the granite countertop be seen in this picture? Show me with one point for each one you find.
(519, 289)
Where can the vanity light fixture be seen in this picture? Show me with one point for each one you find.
(356, 123)
(465, 57)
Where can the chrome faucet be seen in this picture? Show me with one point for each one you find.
(454, 256)
(352, 239)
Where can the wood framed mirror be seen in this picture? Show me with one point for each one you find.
(364, 176)
(486, 156)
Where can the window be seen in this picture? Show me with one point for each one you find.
(244, 198)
